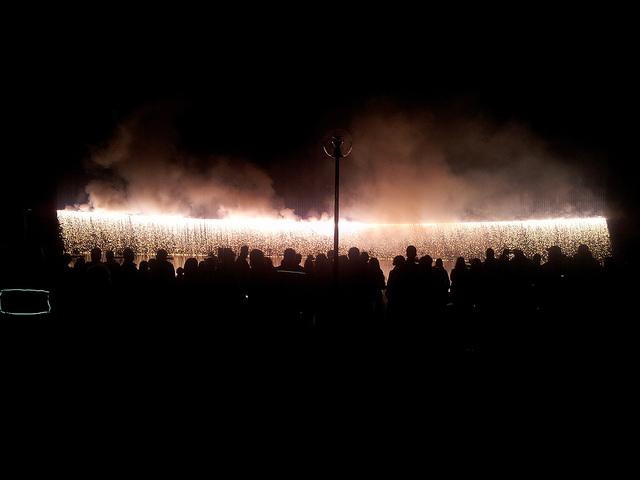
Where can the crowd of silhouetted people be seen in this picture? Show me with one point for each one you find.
(248, 287)
(505, 295)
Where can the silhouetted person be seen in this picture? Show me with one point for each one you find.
(394, 288)
(520, 281)
(476, 282)
(490, 260)
(375, 285)
(461, 284)
(291, 291)
(98, 300)
(309, 266)
(409, 290)
(427, 284)
(412, 255)
(127, 283)
(290, 261)
(162, 279)
(189, 289)
(321, 292)
(441, 285)
(357, 302)
(96, 257)
(79, 270)
(164, 271)
(503, 263)
(128, 270)
(144, 268)
(553, 282)
(242, 265)
(354, 257)
(259, 289)
(111, 262)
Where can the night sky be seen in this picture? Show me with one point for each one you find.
(264, 87)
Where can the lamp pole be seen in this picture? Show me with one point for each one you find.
(337, 154)
(337, 144)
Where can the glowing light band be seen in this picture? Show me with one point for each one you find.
(82, 231)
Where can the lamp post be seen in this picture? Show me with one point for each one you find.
(337, 144)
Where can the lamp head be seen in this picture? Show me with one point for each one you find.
(337, 143)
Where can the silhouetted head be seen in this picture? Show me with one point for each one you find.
(412, 253)
(583, 251)
(439, 262)
(96, 255)
(555, 253)
(374, 264)
(228, 257)
(490, 254)
(537, 259)
(398, 260)
(161, 255)
(144, 266)
(128, 254)
(322, 263)
(354, 253)
(109, 255)
(426, 261)
(191, 266)
(308, 264)
(256, 258)
(289, 255)
(476, 264)
(210, 263)
(460, 263)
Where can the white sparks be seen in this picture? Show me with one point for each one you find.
(145, 234)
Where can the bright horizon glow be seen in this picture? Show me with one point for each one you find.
(268, 221)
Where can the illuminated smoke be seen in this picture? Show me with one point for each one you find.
(408, 165)
(414, 165)
(142, 170)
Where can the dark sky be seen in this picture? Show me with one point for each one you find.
(266, 85)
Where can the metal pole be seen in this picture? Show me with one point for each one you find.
(336, 218)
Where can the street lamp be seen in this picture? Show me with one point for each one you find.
(337, 144)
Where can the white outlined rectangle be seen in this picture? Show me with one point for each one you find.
(24, 302)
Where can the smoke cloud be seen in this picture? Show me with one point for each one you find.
(408, 165)
(143, 170)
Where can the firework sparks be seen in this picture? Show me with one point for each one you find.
(82, 231)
